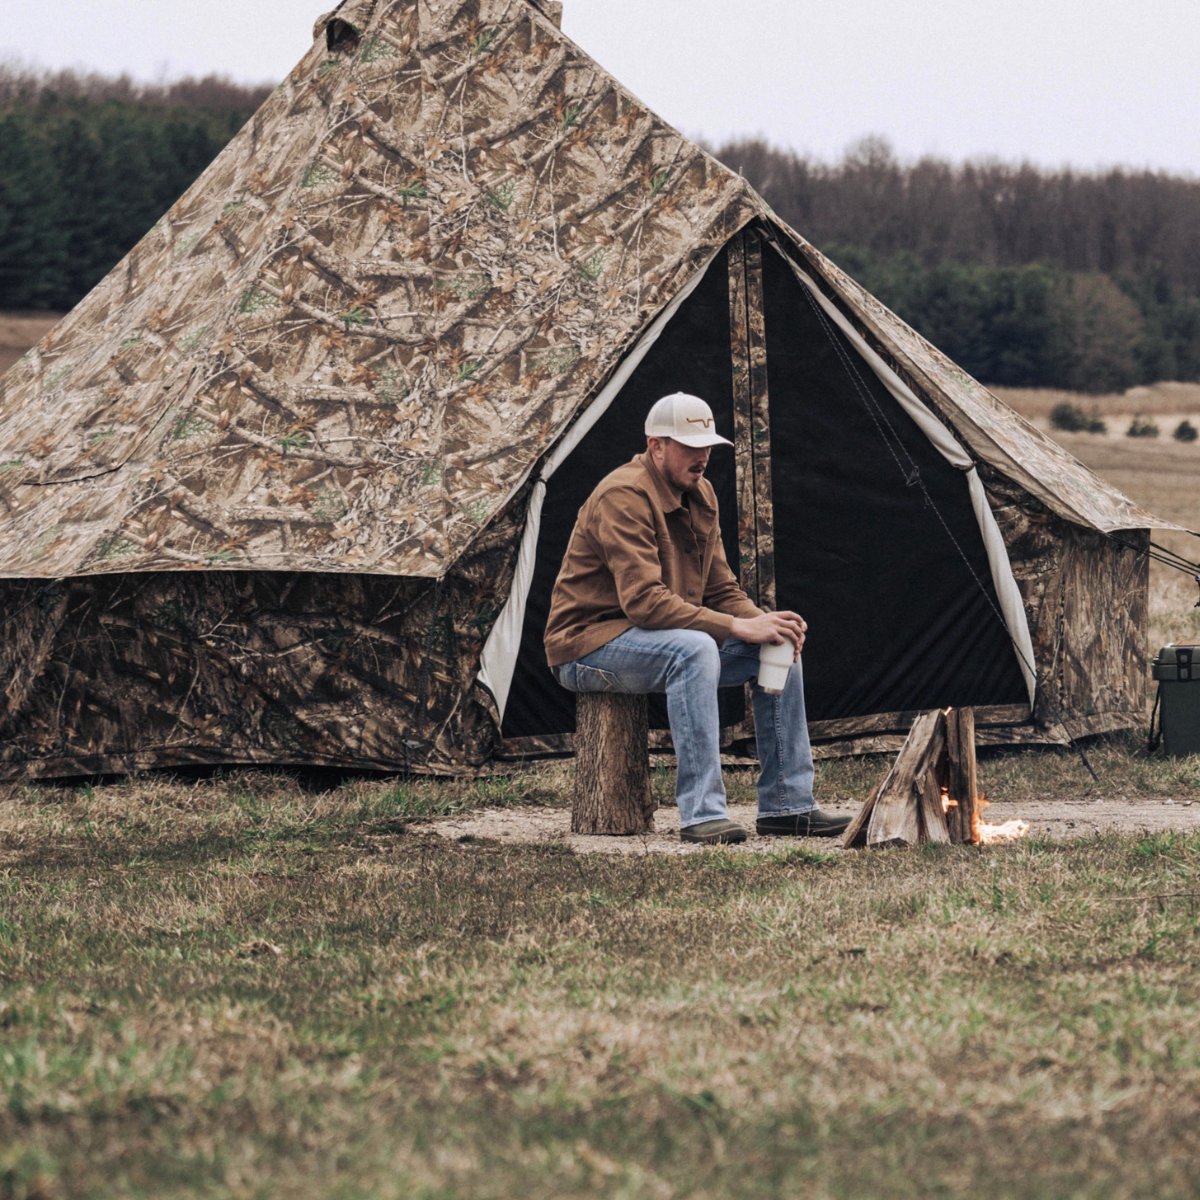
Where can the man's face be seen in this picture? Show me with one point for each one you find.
(681, 466)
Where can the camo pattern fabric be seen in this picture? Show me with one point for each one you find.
(350, 341)
(115, 673)
(261, 492)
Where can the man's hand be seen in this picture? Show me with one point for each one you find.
(773, 627)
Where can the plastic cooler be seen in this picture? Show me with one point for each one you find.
(1177, 669)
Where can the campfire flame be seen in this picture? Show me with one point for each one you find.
(1010, 831)
(983, 834)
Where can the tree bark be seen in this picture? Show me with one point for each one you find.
(612, 765)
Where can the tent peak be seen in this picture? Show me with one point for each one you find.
(344, 26)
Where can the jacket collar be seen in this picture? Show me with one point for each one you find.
(664, 495)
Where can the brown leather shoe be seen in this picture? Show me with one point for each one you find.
(712, 833)
(813, 823)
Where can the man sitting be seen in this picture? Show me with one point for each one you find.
(645, 601)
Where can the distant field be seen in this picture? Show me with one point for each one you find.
(1160, 474)
(19, 331)
(1159, 399)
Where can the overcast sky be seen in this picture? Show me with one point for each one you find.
(1090, 83)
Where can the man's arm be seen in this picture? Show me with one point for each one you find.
(750, 623)
(722, 590)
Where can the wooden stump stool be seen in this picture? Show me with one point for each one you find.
(612, 765)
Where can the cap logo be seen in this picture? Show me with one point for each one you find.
(705, 421)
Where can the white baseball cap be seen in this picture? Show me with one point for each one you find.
(686, 419)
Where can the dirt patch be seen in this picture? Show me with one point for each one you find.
(1060, 820)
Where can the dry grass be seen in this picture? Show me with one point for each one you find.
(1164, 477)
(1159, 399)
(238, 987)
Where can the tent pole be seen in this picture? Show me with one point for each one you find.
(760, 409)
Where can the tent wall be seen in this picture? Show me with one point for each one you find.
(876, 540)
(893, 576)
(120, 672)
(1087, 597)
(1104, 657)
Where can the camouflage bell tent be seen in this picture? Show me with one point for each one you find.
(292, 483)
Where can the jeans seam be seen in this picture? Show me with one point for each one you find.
(776, 712)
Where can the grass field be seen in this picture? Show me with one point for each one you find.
(1159, 473)
(237, 986)
(257, 985)
(20, 330)
(1160, 400)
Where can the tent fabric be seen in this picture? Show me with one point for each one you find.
(263, 492)
(992, 430)
(878, 539)
(345, 24)
(1007, 594)
(499, 659)
(542, 712)
(348, 344)
(691, 353)
(355, 335)
(123, 672)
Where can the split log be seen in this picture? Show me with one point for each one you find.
(907, 806)
(932, 812)
(961, 781)
(612, 765)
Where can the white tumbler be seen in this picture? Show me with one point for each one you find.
(774, 662)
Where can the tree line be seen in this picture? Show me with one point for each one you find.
(1026, 277)
(88, 164)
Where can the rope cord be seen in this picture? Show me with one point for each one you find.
(1163, 556)
(1169, 558)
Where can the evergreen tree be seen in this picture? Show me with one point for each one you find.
(32, 264)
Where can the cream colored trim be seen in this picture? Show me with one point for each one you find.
(498, 662)
(1003, 580)
(499, 658)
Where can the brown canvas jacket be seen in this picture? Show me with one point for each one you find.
(639, 557)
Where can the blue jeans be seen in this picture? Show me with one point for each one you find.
(689, 666)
